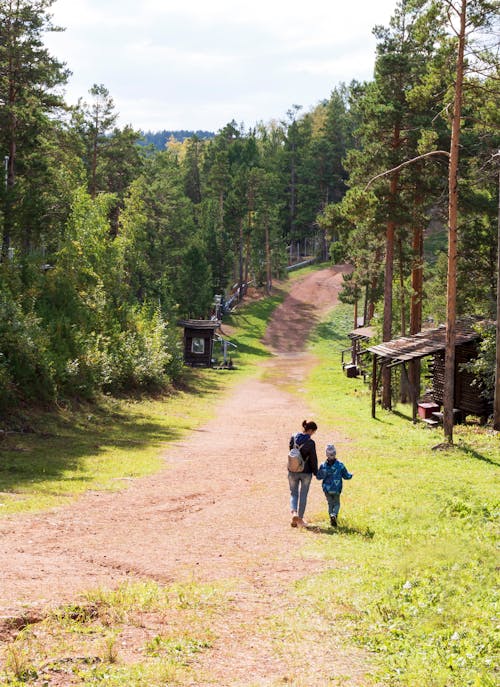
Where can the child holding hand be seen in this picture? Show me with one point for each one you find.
(332, 472)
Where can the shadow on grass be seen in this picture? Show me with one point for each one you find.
(246, 349)
(366, 533)
(35, 460)
(255, 313)
(465, 448)
(192, 382)
(402, 415)
(55, 446)
(330, 332)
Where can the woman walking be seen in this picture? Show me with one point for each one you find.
(300, 481)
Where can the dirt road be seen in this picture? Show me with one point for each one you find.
(219, 510)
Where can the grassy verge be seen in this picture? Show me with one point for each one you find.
(413, 561)
(139, 635)
(101, 446)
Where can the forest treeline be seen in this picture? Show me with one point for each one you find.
(106, 242)
(161, 139)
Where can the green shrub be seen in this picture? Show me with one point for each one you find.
(26, 371)
(142, 354)
(337, 252)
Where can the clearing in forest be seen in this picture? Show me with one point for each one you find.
(212, 530)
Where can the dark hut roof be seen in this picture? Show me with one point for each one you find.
(199, 324)
(426, 343)
(362, 333)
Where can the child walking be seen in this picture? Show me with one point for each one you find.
(332, 472)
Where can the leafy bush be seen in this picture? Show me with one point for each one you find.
(483, 367)
(142, 354)
(74, 329)
(26, 371)
(337, 252)
(138, 357)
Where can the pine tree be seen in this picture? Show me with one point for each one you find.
(29, 77)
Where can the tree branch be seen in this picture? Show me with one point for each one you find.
(405, 164)
(452, 6)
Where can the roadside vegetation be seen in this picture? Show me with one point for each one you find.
(103, 445)
(96, 641)
(50, 456)
(413, 562)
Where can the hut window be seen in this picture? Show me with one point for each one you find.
(198, 345)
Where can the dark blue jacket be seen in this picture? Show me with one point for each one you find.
(332, 475)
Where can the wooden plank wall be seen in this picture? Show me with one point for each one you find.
(467, 395)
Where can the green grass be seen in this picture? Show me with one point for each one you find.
(104, 445)
(96, 447)
(414, 557)
(250, 322)
(411, 570)
(163, 629)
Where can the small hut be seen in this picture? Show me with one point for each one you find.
(432, 342)
(199, 341)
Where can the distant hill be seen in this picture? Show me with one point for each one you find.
(160, 138)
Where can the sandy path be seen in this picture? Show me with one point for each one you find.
(219, 510)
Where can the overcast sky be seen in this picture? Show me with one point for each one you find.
(198, 64)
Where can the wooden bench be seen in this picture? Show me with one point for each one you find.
(430, 422)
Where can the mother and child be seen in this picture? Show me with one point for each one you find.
(332, 473)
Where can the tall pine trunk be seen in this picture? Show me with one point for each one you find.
(269, 283)
(11, 163)
(416, 301)
(496, 402)
(241, 284)
(402, 306)
(8, 223)
(451, 296)
(402, 300)
(389, 274)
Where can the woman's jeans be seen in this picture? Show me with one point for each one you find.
(299, 488)
(333, 503)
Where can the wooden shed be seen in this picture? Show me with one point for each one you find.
(199, 341)
(432, 342)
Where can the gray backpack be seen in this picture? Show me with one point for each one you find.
(295, 459)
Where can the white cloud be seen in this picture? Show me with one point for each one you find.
(203, 63)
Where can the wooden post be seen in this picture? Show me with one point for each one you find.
(413, 395)
(374, 384)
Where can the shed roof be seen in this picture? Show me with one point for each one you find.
(363, 333)
(427, 342)
(199, 324)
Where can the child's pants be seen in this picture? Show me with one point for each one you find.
(333, 503)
